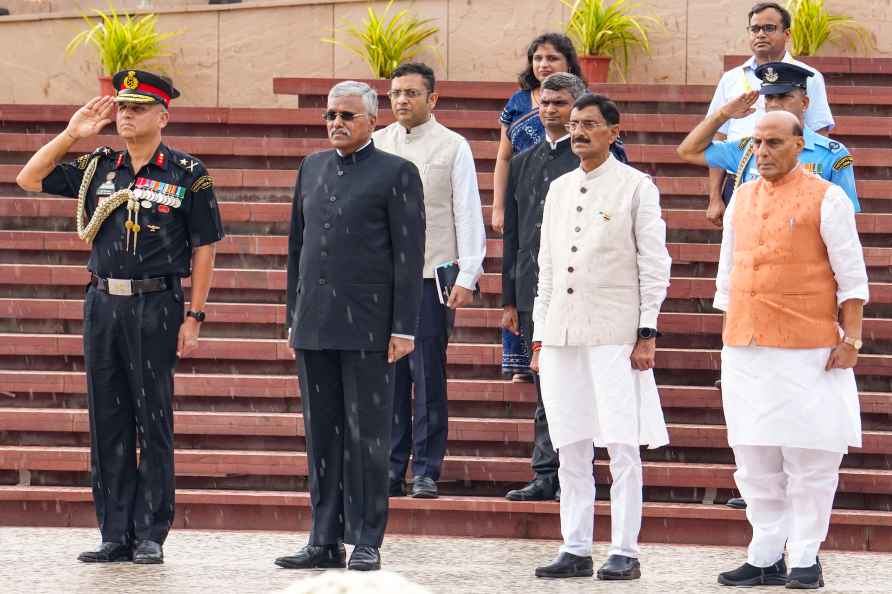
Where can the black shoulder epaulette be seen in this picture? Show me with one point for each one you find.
(84, 160)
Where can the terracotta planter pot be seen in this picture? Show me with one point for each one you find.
(595, 68)
(105, 86)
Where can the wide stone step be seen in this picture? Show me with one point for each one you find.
(21, 384)
(471, 317)
(274, 280)
(277, 245)
(278, 212)
(488, 430)
(683, 523)
(473, 354)
(483, 150)
(455, 468)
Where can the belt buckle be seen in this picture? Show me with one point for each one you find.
(120, 286)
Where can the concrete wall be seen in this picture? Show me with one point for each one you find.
(229, 54)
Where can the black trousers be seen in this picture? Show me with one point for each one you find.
(347, 399)
(545, 459)
(728, 187)
(426, 432)
(130, 352)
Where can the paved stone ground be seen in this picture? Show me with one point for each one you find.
(42, 560)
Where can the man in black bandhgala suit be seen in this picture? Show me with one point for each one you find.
(355, 258)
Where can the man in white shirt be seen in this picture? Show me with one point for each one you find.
(793, 284)
(768, 27)
(455, 231)
(603, 275)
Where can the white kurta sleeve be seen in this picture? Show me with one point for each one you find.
(840, 235)
(654, 262)
(470, 233)
(726, 261)
(546, 269)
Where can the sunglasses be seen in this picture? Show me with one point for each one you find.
(346, 116)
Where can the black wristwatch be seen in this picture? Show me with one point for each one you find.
(648, 333)
(198, 315)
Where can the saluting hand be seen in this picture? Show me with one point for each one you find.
(90, 119)
(187, 341)
(741, 106)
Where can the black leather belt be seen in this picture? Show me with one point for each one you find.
(126, 287)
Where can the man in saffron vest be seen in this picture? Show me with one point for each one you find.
(793, 285)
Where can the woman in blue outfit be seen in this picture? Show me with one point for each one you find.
(522, 129)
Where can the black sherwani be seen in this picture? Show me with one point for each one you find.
(355, 260)
(529, 175)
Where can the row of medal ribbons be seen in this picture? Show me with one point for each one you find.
(158, 192)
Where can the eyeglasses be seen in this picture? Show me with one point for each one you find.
(346, 116)
(587, 125)
(756, 29)
(409, 93)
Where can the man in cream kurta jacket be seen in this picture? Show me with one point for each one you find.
(603, 274)
(790, 260)
(455, 231)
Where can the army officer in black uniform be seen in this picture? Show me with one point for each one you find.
(150, 215)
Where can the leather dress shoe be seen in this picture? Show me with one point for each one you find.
(148, 552)
(736, 503)
(537, 490)
(316, 556)
(806, 578)
(620, 567)
(567, 565)
(397, 488)
(749, 575)
(108, 552)
(424, 487)
(365, 558)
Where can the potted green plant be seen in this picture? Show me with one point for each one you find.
(122, 42)
(603, 31)
(813, 26)
(385, 43)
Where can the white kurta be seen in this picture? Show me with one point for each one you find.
(784, 397)
(603, 273)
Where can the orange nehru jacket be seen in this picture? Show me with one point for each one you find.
(782, 289)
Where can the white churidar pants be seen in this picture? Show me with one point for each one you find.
(789, 494)
(578, 497)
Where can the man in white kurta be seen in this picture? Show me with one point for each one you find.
(603, 274)
(790, 261)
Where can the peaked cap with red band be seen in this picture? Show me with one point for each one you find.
(139, 86)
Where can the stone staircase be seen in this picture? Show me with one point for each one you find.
(240, 457)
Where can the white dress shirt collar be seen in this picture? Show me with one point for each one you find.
(554, 143)
(751, 63)
(600, 170)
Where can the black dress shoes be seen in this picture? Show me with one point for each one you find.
(567, 565)
(148, 553)
(736, 503)
(108, 552)
(806, 578)
(365, 558)
(620, 567)
(749, 575)
(424, 488)
(316, 557)
(537, 490)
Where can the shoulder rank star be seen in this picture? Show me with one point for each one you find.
(187, 164)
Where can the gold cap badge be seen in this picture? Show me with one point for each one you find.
(770, 75)
(131, 82)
